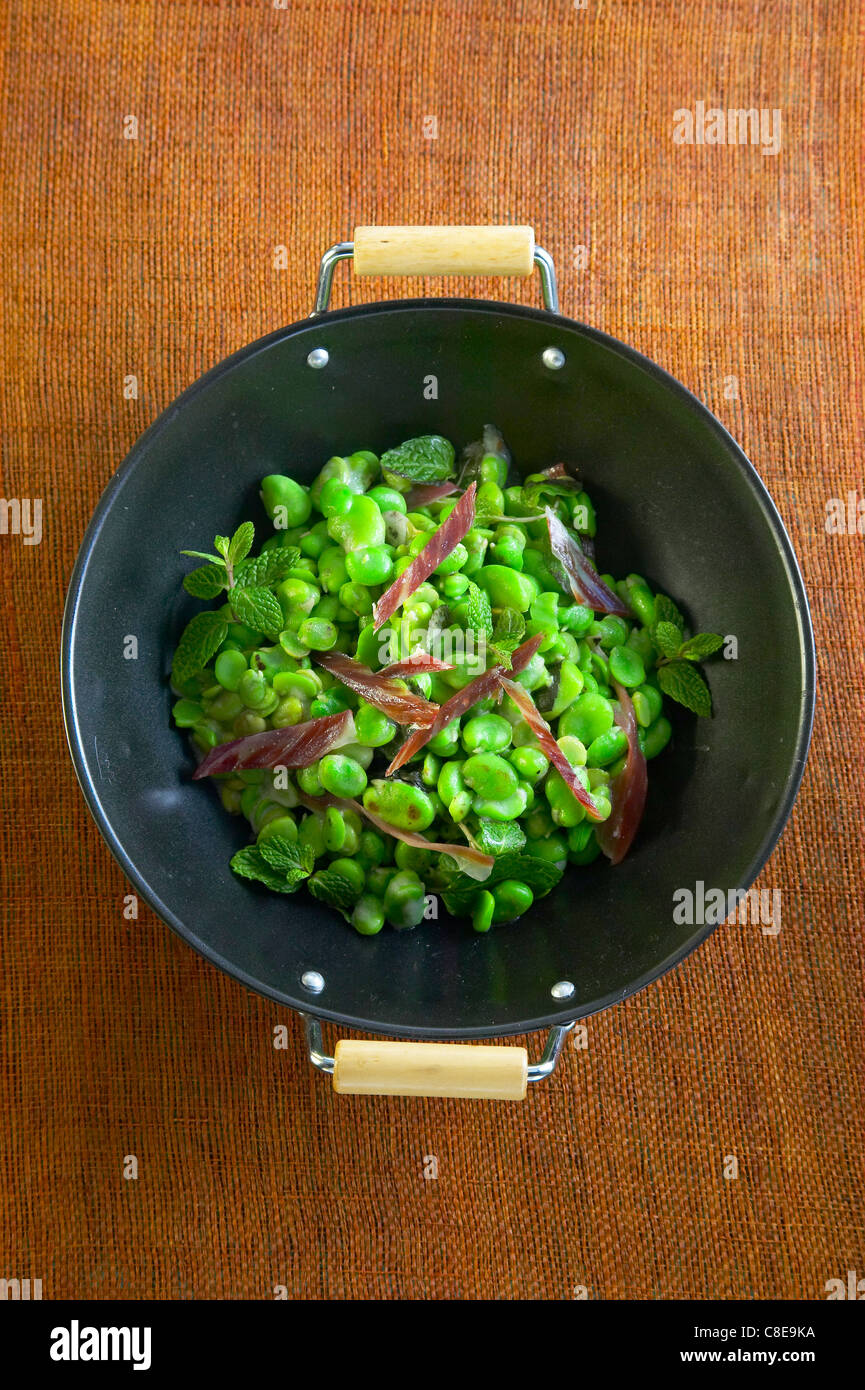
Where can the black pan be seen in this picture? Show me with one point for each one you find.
(677, 501)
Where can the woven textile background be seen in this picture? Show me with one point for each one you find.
(263, 125)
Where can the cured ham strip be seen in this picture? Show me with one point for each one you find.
(415, 665)
(472, 861)
(586, 584)
(544, 734)
(437, 548)
(403, 706)
(422, 494)
(484, 685)
(615, 835)
(297, 746)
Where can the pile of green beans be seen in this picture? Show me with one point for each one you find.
(355, 534)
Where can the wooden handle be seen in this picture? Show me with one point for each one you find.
(444, 250)
(463, 1070)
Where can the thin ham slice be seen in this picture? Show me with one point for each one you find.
(586, 584)
(472, 861)
(403, 706)
(484, 685)
(544, 734)
(415, 665)
(627, 791)
(437, 548)
(297, 746)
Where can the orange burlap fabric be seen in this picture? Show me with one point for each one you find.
(262, 125)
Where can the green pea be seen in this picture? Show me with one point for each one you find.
(446, 741)
(316, 540)
(577, 619)
(579, 837)
(283, 827)
(504, 807)
(653, 699)
(369, 644)
(371, 564)
(351, 871)
(360, 526)
(335, 498)
(254, 690)
(378, 879)
(225, 707)
(368, 915)
(490, 776)
(332, 701)
(613, 632)
(606, 748)
(296, 596)
(450, 781)
(508, 588)
(534, 676)
(228, 668)
(332, 571)
(305, 685)
(512, 899)
(571, 685)
(318, 634)
(487, 733)
(554, 848)
(626, 666)
(590, 716)
(454, 561)
(244, 636)
(454, 586)
(341, 775)
(655, 739)
(289, 711)
(374, 729)
(430, 770)
(248, 723)
(404, 900)
(566, 810)
(311, 832)
(530, 763)
(187, 713)
(285, 501)
(387, 499)
(326, 608)
(410, 857)
(400, 804)
(640, 597)
(476, 546)
(538, 823)
(483, 907)
(356, 598)
(574, 750)
(371, 849)
(308, 780)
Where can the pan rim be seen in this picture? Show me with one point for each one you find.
(424, 305)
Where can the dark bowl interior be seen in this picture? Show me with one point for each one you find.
(677, 501)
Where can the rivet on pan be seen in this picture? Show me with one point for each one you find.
(553, 358)
(563, 990)
(311, 980)
(319, 357)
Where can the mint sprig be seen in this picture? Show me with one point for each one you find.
(278, 863)
(678, 676)
(258, 608)
(683, 683)
(479, 613)
(426, 459)
(331, 887)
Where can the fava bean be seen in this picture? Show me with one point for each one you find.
(400, 804)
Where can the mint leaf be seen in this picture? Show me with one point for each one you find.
(667, 638)
(258, 608)
(498, 837)
(704, 644)
(202, 555)
(251, 863)
(199, 641)
(241, 543)
(539, 875)
(222, 544)
(206, 582)
(329, 886)
(684, 684)
(267, 568)
(479, 614)
(667, 612)
(510, 626)
(427, 459)
(294, 861)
